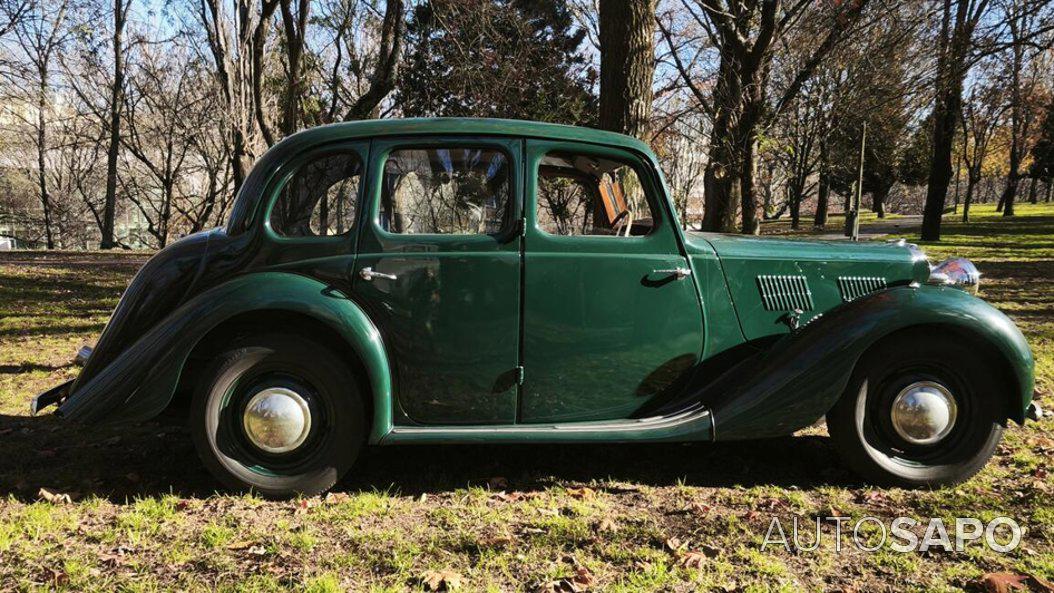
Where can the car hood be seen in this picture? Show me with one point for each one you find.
(769, 278)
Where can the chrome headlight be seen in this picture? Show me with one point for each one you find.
(958, 272)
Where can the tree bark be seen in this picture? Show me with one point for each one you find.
(971, 184)
(878, 199)
(1017, 127)
(627, 65)
(294, 26)
(42, 149)
(387, 69)
(955, 39)
(109, 211)
(823, 194)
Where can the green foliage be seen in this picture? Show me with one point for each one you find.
(915, 161)
(507, 58)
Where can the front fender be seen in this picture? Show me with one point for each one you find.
(801, 377)
(141, 380)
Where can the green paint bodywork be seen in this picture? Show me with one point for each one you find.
(526, 336)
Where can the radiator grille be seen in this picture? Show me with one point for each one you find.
(785, 293)
(854, 287)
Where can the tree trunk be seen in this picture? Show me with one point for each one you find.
(1033, 190)
(721, 185)
(1050, 188)
(824, 192)
(951, 70)
(295, 29)
(42, 148)
(794, 201)
(941, 167)
(1016, 116)
(878, 199)
(971, 183)
(748, 192)
(627, 65)
(109, 210)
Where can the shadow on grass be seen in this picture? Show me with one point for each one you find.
(121, 464)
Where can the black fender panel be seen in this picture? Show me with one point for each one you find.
(140, 381)
(801, 376)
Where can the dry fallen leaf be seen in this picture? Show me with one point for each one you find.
(57, 577)
(54, 497)
(441, 580)
(336, 497)
(583, 576)
(581, 493)
(580, 582)
(675, 545)
(874, 498)
(1042, 584)
(1003, 582)
(302, 505)
(607, 525)
(508, 496)
(700, 508)
(692, 559)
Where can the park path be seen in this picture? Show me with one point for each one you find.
(881, 228)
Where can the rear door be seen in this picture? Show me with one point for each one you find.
(612, 320)
(438, 268)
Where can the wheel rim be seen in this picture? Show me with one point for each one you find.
(923, 413)
(904, 444)
(277, 420)
(242, 436)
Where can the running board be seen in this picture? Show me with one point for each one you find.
(692, 424)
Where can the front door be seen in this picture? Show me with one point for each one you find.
(612, 319)
(438, 269)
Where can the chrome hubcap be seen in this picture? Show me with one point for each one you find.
(923, 413)
(277, 420)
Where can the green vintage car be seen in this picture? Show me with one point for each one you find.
(487, 281)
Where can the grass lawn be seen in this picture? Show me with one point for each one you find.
(142, 514)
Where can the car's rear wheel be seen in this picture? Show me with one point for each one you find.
(924, 410)
(278, 414)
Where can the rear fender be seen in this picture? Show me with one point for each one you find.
(801, 377)
(140, 382)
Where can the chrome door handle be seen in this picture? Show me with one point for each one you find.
(679, 272)
(368, 275)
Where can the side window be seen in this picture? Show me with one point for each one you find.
(455, 191)
(584, 195)
(320, 199)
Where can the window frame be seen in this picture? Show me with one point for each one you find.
(382, 150)
(654, 194)
(285, 174)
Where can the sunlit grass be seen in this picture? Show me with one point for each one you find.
(145, 517)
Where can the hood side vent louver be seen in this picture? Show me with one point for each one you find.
(785, 293)
(854, 287)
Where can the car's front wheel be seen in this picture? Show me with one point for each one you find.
(278, 414)
(924, 410)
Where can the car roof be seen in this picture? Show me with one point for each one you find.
(467, 126)
(250, 194)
